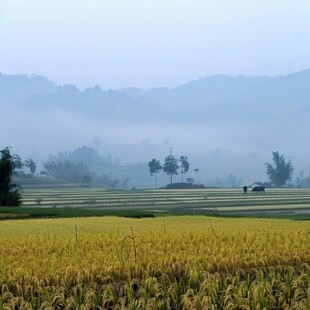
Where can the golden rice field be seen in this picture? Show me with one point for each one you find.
(188, 262)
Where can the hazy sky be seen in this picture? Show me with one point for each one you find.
(143, 43)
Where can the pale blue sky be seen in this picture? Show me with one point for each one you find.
(120, 43)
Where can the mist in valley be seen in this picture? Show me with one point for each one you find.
(222, 83)
(228, 134)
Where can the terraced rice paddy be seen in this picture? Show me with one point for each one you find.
(183, 262)
(204, 201)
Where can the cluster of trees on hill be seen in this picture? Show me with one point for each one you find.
(68, 170)
(170, 167)
(79, 172)
(85, 165)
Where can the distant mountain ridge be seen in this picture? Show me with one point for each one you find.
(217, 96)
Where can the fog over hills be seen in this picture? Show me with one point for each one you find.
(223, 124)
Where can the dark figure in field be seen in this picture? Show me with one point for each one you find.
(245, 189)
(258, 189)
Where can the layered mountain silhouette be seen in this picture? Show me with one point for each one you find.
(240, 98)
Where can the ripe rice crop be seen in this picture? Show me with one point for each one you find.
(159, 263)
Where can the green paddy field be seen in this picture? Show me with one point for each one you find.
(84, 201)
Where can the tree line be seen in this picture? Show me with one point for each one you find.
(171, 166)
(279, 171)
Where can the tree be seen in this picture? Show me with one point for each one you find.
(196, 171)
(154, 167)
(281, 171)
(184, 165)
(9, 195)
(171, 166)
(31, 165)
